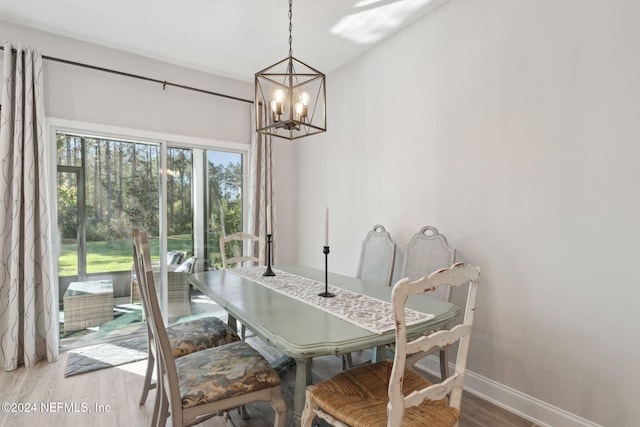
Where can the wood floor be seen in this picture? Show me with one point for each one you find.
(43, 397)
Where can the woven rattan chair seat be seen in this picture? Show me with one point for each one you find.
(358, 397)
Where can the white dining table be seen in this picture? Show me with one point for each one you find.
(300, 330)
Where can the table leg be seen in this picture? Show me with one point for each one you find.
(232, 322)
(303, 379)
(379, 354)
(283, 362)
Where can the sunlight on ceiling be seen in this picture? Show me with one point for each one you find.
(376, 22)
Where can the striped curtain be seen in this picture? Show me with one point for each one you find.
(261, 191)
(28, 297)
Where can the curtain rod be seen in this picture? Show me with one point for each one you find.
(164, 83)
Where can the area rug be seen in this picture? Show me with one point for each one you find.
(106, 355)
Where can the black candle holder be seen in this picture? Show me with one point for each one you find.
(269, 271)
(326, 292)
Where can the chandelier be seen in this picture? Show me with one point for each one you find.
(290, 99)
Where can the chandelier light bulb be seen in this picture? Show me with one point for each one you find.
(304, 98)
(301, 109)
(278, 95)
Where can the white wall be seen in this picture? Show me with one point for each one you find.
(513, 128)
(86, 95)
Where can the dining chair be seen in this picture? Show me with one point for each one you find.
(377, 256)
(201, 385)
(426, 252)
(185, 337)
(392, 393)
(236, 257)
(236, 254)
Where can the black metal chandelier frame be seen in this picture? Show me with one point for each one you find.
(290, 97)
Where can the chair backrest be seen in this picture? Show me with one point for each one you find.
(164, 352)
(426, 252)
(377, 256)
(457, 275)
(138, 272)
(235, 256)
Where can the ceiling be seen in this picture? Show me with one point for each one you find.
(233, 38)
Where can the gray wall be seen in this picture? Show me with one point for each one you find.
(82, 94)
(511, 126)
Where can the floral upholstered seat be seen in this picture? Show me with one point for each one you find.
(228, 371)
(199, 334)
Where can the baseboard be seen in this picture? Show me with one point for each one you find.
(530, 408)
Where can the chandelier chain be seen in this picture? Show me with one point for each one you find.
(290, 29)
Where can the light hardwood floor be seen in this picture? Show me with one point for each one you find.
(109, 397)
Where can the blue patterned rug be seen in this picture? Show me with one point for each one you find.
(106, 355)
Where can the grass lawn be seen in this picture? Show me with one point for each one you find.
(114, 255)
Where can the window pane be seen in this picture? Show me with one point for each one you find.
(105, 188)
(224, 201)
(122, 192)
(68, 223)
(69, 150)
(119, 189)
(179, 207)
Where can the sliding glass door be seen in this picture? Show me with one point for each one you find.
(179, 201)
(185, 197)
(225, 173)
(105, 187)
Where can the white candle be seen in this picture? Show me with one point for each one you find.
(269, 218)
(326, 227)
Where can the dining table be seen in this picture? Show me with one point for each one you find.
(301, 329)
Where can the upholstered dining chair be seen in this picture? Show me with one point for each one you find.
(185, 337)
(426, 252)
(200, 385)
(392, 394)
(235, 256)
(377, 255)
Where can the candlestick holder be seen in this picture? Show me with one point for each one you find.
(269, 271)
(326, 292)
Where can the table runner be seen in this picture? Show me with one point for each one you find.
(364, 311)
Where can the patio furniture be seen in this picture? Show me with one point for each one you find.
(87, 304)
(178, 288)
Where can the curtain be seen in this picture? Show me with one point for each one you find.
(28, 298)
(261, 192)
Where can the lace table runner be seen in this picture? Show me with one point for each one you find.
(364, 311)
